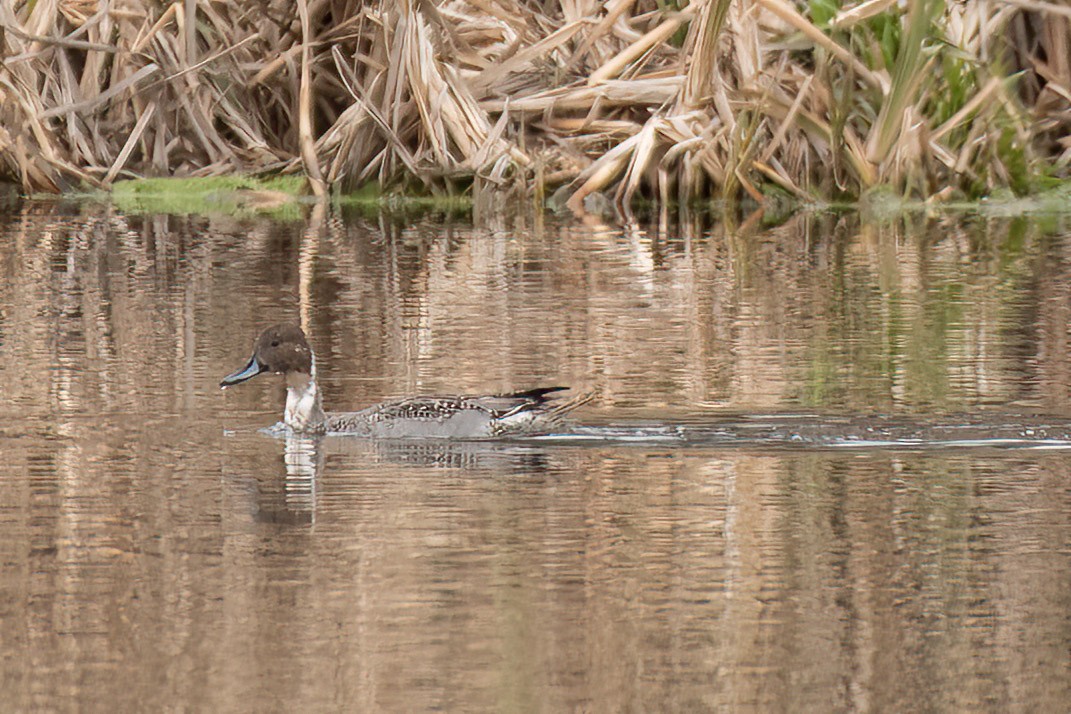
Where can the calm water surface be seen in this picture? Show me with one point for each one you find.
(158, 553)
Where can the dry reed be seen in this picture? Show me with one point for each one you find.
(625, 97)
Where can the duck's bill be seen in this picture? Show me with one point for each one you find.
(248, 372)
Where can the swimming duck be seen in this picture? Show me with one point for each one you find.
(283, 349)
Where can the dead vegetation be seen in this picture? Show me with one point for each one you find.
(670, 100)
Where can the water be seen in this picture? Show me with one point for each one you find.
(158, 552)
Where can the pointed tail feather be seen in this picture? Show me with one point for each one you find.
(539, 393)
(535, 399)
(560, 410)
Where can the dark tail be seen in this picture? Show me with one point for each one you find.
(533, 400)
(539, 394)
(559, 409)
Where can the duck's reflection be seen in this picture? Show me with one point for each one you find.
(304, 458)
(484, 456)
(292, 499)
(304, 461)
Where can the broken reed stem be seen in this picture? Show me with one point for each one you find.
(637, 49)
(308, 146)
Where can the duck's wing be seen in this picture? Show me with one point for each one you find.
(529, 412)
(495, 406)
(500, 406)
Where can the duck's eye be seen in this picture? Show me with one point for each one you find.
(275, 343)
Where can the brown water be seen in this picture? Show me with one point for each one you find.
(158, 553)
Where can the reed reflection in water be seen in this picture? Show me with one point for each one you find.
(159, 553)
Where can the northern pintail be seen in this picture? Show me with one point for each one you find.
(283, 349)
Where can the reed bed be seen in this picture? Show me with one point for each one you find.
(625, 98)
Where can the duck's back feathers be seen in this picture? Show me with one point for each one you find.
(473, 417)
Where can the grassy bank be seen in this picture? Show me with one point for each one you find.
(621, 99)
(283, 197)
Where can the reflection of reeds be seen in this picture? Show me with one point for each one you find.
(628, 97)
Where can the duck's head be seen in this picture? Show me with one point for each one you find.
(281, 349)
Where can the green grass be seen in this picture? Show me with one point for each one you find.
(277, 196)
(283, 198)
(371, 196)
(280, 197)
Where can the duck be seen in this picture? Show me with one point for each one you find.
(283, 349)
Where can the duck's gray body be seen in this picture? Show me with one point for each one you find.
(452, 417)
(284, 349)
